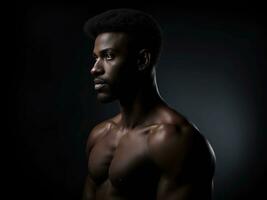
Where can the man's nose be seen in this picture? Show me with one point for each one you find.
(97, 68)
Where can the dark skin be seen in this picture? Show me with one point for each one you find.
(147, 151)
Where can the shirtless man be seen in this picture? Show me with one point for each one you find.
(148, 151)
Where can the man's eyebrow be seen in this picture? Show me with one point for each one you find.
(103, 51)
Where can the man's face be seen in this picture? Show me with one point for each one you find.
(114, 66)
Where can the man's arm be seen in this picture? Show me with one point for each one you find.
(185, 162)
(97, 133)
(89, 189)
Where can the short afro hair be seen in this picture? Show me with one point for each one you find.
(140, 26)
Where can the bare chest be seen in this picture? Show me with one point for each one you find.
(123, 159)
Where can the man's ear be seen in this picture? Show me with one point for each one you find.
(144, 59)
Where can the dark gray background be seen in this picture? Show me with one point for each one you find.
(212, 70)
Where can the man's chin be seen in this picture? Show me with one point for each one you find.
(104, 98)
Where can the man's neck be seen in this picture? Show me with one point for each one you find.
(137, 108)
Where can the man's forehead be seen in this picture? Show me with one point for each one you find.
(111, 40)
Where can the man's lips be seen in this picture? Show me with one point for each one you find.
(99, 86)
(99, 83)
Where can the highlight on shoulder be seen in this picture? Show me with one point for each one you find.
(176, 147)
(99, 131)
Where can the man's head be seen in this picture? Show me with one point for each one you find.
(127, 44)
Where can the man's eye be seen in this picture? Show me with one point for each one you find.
(109, 56)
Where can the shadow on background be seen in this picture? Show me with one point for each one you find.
(212, 70)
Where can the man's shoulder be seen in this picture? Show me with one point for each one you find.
(183, 135)
(170, 144)
(164, 134)
(176, 129)
(170, 124)
(99, 131)
(103, 126)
